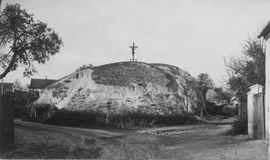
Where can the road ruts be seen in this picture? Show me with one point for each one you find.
(229, 153)
(132, 149)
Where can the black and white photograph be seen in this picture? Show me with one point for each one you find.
(135, 79)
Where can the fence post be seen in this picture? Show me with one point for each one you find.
(6, 122)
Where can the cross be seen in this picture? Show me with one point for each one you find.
(133, 47)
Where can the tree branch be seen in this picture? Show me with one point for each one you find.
(14, 56)
(13, 60)
(29, 41)
(5, 56)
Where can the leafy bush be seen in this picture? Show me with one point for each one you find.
(213, 109)
(60, 90)
(223, 110)
(21, 101)
(77, 118)
(41, 112)
(67, 80)
(124, 120)
(228, 111)
(239, 126)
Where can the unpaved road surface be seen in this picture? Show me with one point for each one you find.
(196, 142)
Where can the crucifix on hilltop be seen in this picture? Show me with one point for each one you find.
(133, 47)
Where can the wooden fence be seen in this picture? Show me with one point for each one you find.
(242, 111)
(6, 122)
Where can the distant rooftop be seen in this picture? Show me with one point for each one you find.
(7, 86)
(40, 83)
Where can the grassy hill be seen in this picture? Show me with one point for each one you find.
(124, 73)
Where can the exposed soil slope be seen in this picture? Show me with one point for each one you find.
(158, 88)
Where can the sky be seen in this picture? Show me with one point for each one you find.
(195, 35)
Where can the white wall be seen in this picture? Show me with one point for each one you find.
(251, 110)
(267, 87)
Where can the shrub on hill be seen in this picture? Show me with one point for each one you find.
(40, 112)
(127, 120)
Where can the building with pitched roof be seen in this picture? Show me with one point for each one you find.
(6, 88)
(39, 84)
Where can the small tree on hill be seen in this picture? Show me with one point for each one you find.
(85, 66)
(24, 41)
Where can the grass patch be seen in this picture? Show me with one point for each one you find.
(49, 151)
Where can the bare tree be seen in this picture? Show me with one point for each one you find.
(246, 70)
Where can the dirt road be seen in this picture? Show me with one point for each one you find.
(197, 142)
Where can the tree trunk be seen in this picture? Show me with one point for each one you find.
(201, 115)
(35, 113)
(108, 113)
(203, 107)
(107, 117)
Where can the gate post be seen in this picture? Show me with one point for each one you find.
(256, 127)
(6, 121)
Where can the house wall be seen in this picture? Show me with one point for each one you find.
(267, 87)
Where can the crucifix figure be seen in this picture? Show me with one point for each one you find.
(133, 47)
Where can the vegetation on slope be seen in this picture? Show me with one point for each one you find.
(90, 119)
(162, 89)
(124, 73)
